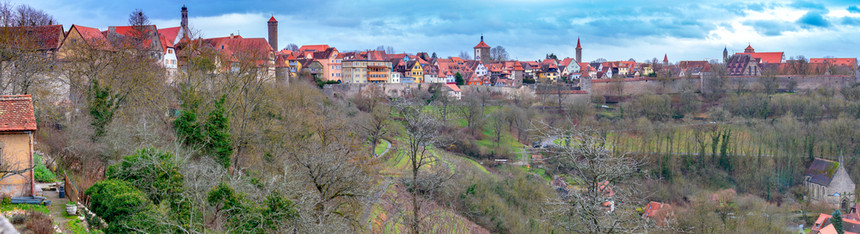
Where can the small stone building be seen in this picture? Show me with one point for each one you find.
(17, 125)
(828, 181)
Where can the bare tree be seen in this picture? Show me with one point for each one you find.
(292, 47)
(376, 124)
(465, 55)
(28, 16)
(420, 132)
(603, 203)
(498, 53)
(470, 110)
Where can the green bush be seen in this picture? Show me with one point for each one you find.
(41, 173)
(114, 200)
(153, 172)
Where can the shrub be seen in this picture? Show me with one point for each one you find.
(18, 219)
(41, 173)
(115, 200)
(153, 172)
(38, 222)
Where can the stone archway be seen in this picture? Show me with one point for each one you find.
(845, 205)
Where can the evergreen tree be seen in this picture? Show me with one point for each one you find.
(219, 144)
(836, 220)
(102, 107)
(459, 79)
(186, 126)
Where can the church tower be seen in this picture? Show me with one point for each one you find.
(665, 60)
(482, 51)
(184, 23)
(725, 54)
(578, 51)
(749, 49)
(273, 33)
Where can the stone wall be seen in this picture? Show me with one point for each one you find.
(708, 83)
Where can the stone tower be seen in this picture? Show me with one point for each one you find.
(184, 24)
(665, 60)
(273, 33)
(482, 51)
(578, 51)
(725, 54)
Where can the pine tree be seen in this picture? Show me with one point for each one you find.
(459, 79)
(102, 107)
(219, 144)
(836, 220)
(187, 128)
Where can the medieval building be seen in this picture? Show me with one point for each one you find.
(828, 181)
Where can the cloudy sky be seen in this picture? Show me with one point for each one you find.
(528, 29)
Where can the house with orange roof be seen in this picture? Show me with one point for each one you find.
(834, 66)
(568, 67)
(331, 60)
(17, 126)
(549, 71)
(824, 225)
(659, 212)
(366, 71)
(454, 91)
(313, 48)
(693, 68)
(238, 54)
(45, 39)
(764, 57)
(167, 36)
(79, 39)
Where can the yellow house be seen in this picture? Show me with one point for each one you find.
(80, 38)
(416, 71)
(17, 125)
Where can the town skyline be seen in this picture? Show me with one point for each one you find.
(700, 32)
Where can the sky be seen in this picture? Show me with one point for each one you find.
(528, 29)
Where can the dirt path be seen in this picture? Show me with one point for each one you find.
(57, 207)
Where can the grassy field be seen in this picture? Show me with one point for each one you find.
(383, 144)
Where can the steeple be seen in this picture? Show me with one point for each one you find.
(725, 54)
(749, 49)
(184, 23)
(578, 51)
(665, 60)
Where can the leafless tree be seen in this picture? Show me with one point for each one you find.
(470, 110)
(497, 123)
(376, 124)
(603, 202)
(465, 55)
(498, 53)
(292, 47)
(421, 131)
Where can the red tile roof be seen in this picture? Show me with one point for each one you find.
(482, 45)
(767, 57)
(578, 46)
(273, 19)
(48, 37)
(313, 48)
(836, 61)
(16, 113)
(93, 37)
(168, 36)
(131, 31)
